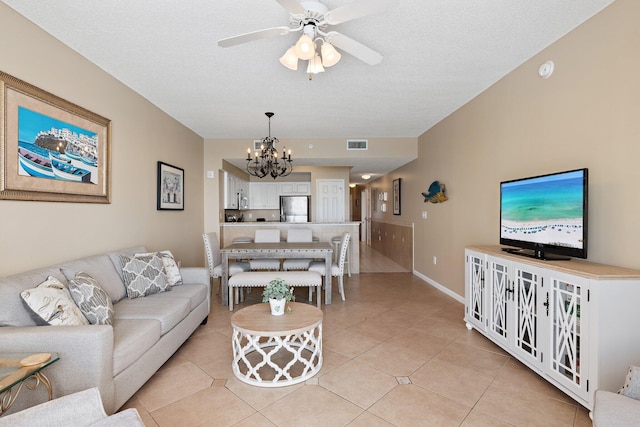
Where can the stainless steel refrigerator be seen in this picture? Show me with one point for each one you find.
(295, 208)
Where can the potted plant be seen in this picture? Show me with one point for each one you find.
(277, 292)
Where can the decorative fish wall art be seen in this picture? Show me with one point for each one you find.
(435, 194)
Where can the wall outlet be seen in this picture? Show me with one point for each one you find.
(211, 174)
(250, 215)
(435, 260)
(424, 214)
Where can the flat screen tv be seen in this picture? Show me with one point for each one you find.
(545, 216)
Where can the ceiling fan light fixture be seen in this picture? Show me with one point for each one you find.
(330, 56)
(315, 65)
(290, 59)
(305, 48)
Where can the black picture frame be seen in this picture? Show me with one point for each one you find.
(170, 188)
(397, 186)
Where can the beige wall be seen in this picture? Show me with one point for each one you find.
(34, 234)
(587, 114)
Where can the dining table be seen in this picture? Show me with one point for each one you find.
(277, 250)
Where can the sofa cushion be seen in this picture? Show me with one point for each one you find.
(168, 311)
(91, 299)
(196, 294)
(131, 339)
(12, 310)
(100, 268)
(52, 302)
(143, 275)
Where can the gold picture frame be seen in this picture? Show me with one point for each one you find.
(51, 149)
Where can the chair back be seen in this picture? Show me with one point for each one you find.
(344, 245)
(212, 248)
(299, 235)
(267, 235)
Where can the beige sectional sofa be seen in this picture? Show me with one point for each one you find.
(117, 359)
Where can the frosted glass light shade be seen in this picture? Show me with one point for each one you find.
(305, 48)
(289, 59)
(330, 56)
(315, 65)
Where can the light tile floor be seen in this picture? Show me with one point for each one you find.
(396, 353)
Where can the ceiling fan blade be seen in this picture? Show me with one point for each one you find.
(256, 35)
(356, 9)
(354, 48)
(292, 6)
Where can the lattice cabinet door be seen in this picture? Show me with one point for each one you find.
(528, 338)
(500, 292)
(568, 311)
(475, 298)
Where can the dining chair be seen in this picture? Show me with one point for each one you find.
(266, 235)
(214, 259)
(337, 268)
(335, 242)
(298, 235)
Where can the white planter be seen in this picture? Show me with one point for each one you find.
(277, 306)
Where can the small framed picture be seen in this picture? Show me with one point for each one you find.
(397, 184)
(170, 187)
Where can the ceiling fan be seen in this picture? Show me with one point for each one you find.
(312, 18)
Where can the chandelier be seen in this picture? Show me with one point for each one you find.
(317, 50)
(266, 161)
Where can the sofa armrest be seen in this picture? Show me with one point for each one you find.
(86, 356)
(78, 409)
(613, 409)
(197, 275)
(194, 275)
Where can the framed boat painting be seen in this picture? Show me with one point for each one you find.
(51, 149)
(170, 187)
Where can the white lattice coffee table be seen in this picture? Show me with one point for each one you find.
(276, 351)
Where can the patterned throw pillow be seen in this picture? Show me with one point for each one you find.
(51, 301)
(631, 387)
(171, 269)
(91, 299)
(143, 275)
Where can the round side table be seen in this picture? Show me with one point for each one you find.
(276, 351)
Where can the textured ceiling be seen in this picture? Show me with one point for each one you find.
(438, 55)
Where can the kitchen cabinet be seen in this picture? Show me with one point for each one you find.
(294, 188)
(264, 195)
(234, 187)
(571, 322)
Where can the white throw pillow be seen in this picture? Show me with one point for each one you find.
(91, 299)
(631, 387)
(143, 275)
(51, 301)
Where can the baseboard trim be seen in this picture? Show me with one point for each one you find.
(439, 287)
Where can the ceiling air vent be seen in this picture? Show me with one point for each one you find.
(357, 144)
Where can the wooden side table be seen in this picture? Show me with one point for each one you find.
(18, 370)
(276, 351)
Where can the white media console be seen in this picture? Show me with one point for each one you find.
(575, 323)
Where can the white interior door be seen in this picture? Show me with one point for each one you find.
(330, 203)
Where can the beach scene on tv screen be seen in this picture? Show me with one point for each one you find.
(546, 210)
